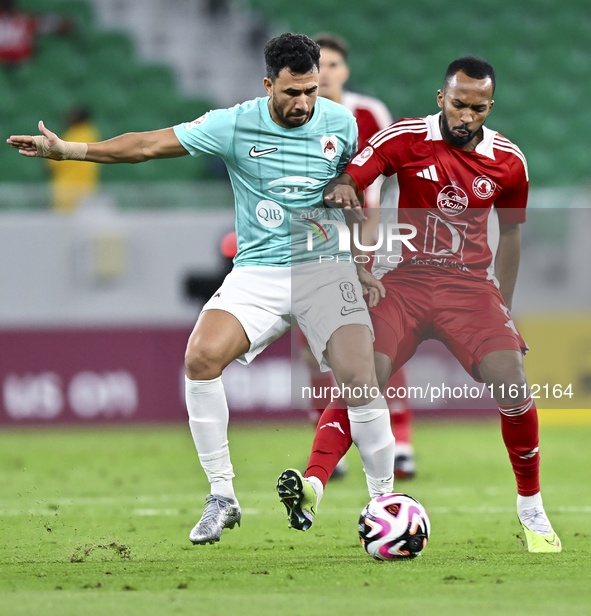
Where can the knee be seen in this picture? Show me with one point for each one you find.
(359, 388)
(511, 377)
(202, 361)
(510, 390)
(358, 381)
(509, 386)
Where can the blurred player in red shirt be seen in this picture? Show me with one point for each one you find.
(18, 30)
(443, 280)
(372, 116)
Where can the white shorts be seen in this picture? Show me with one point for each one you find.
(321, 297)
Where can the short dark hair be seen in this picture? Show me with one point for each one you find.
(475, 68)
(297, 53)
(334, 42)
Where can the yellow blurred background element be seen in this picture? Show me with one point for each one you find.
(560, 355)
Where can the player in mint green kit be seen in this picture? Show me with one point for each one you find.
(275, 173)
(280, 151)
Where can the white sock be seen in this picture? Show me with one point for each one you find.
(404, 449)
(318, 488)
(371, 432)
(379, 487)
(208, 420)
(527, 502)
(223, 488)
(530, 510)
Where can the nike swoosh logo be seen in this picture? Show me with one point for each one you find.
(254, 154)
(347, 311)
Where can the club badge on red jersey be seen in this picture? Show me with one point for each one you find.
(483, 187)
(362, 157)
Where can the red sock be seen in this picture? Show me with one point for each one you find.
(401, 420)
(320, 382)
(400, 413)
(331, 443)
(520, 433)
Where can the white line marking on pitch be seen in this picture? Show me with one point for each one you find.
(348, 510)
(256, 511)
(155, 512)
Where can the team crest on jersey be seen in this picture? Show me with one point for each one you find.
(196, 122)
(363, 157)
(483, 187)
(452, 200)
(329, 146)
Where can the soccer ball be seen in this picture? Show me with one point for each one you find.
(394, 526)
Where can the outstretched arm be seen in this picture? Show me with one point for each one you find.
(128, 148)
(507, 260)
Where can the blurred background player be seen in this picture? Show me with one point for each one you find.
(371, 116)
(200, 286)
(74, 180)
(19, 29)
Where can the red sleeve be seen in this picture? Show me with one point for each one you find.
(367, 125)
(511, 204)
(365, 168)
(17, 44)
(384, 158)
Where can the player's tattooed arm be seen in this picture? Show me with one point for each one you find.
(341, 192)
(507, 260)
(373, 289)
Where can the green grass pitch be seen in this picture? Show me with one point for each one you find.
(95, 521)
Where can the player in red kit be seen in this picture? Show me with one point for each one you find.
(370, 113)
(442, 280)
(371, 116)
(19, 29)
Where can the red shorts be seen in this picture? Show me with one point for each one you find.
(465, 312)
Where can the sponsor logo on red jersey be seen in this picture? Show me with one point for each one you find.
(452, 200)
(483, 187)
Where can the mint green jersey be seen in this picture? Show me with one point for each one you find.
(278, 175)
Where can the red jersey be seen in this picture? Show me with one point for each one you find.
(370, 113)
(17, 33)
(371, 116)
(445, 193)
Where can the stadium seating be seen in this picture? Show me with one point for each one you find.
(540, 51)
(98, 69)
(399, 53)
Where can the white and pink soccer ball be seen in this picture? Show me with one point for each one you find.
(394, 526)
